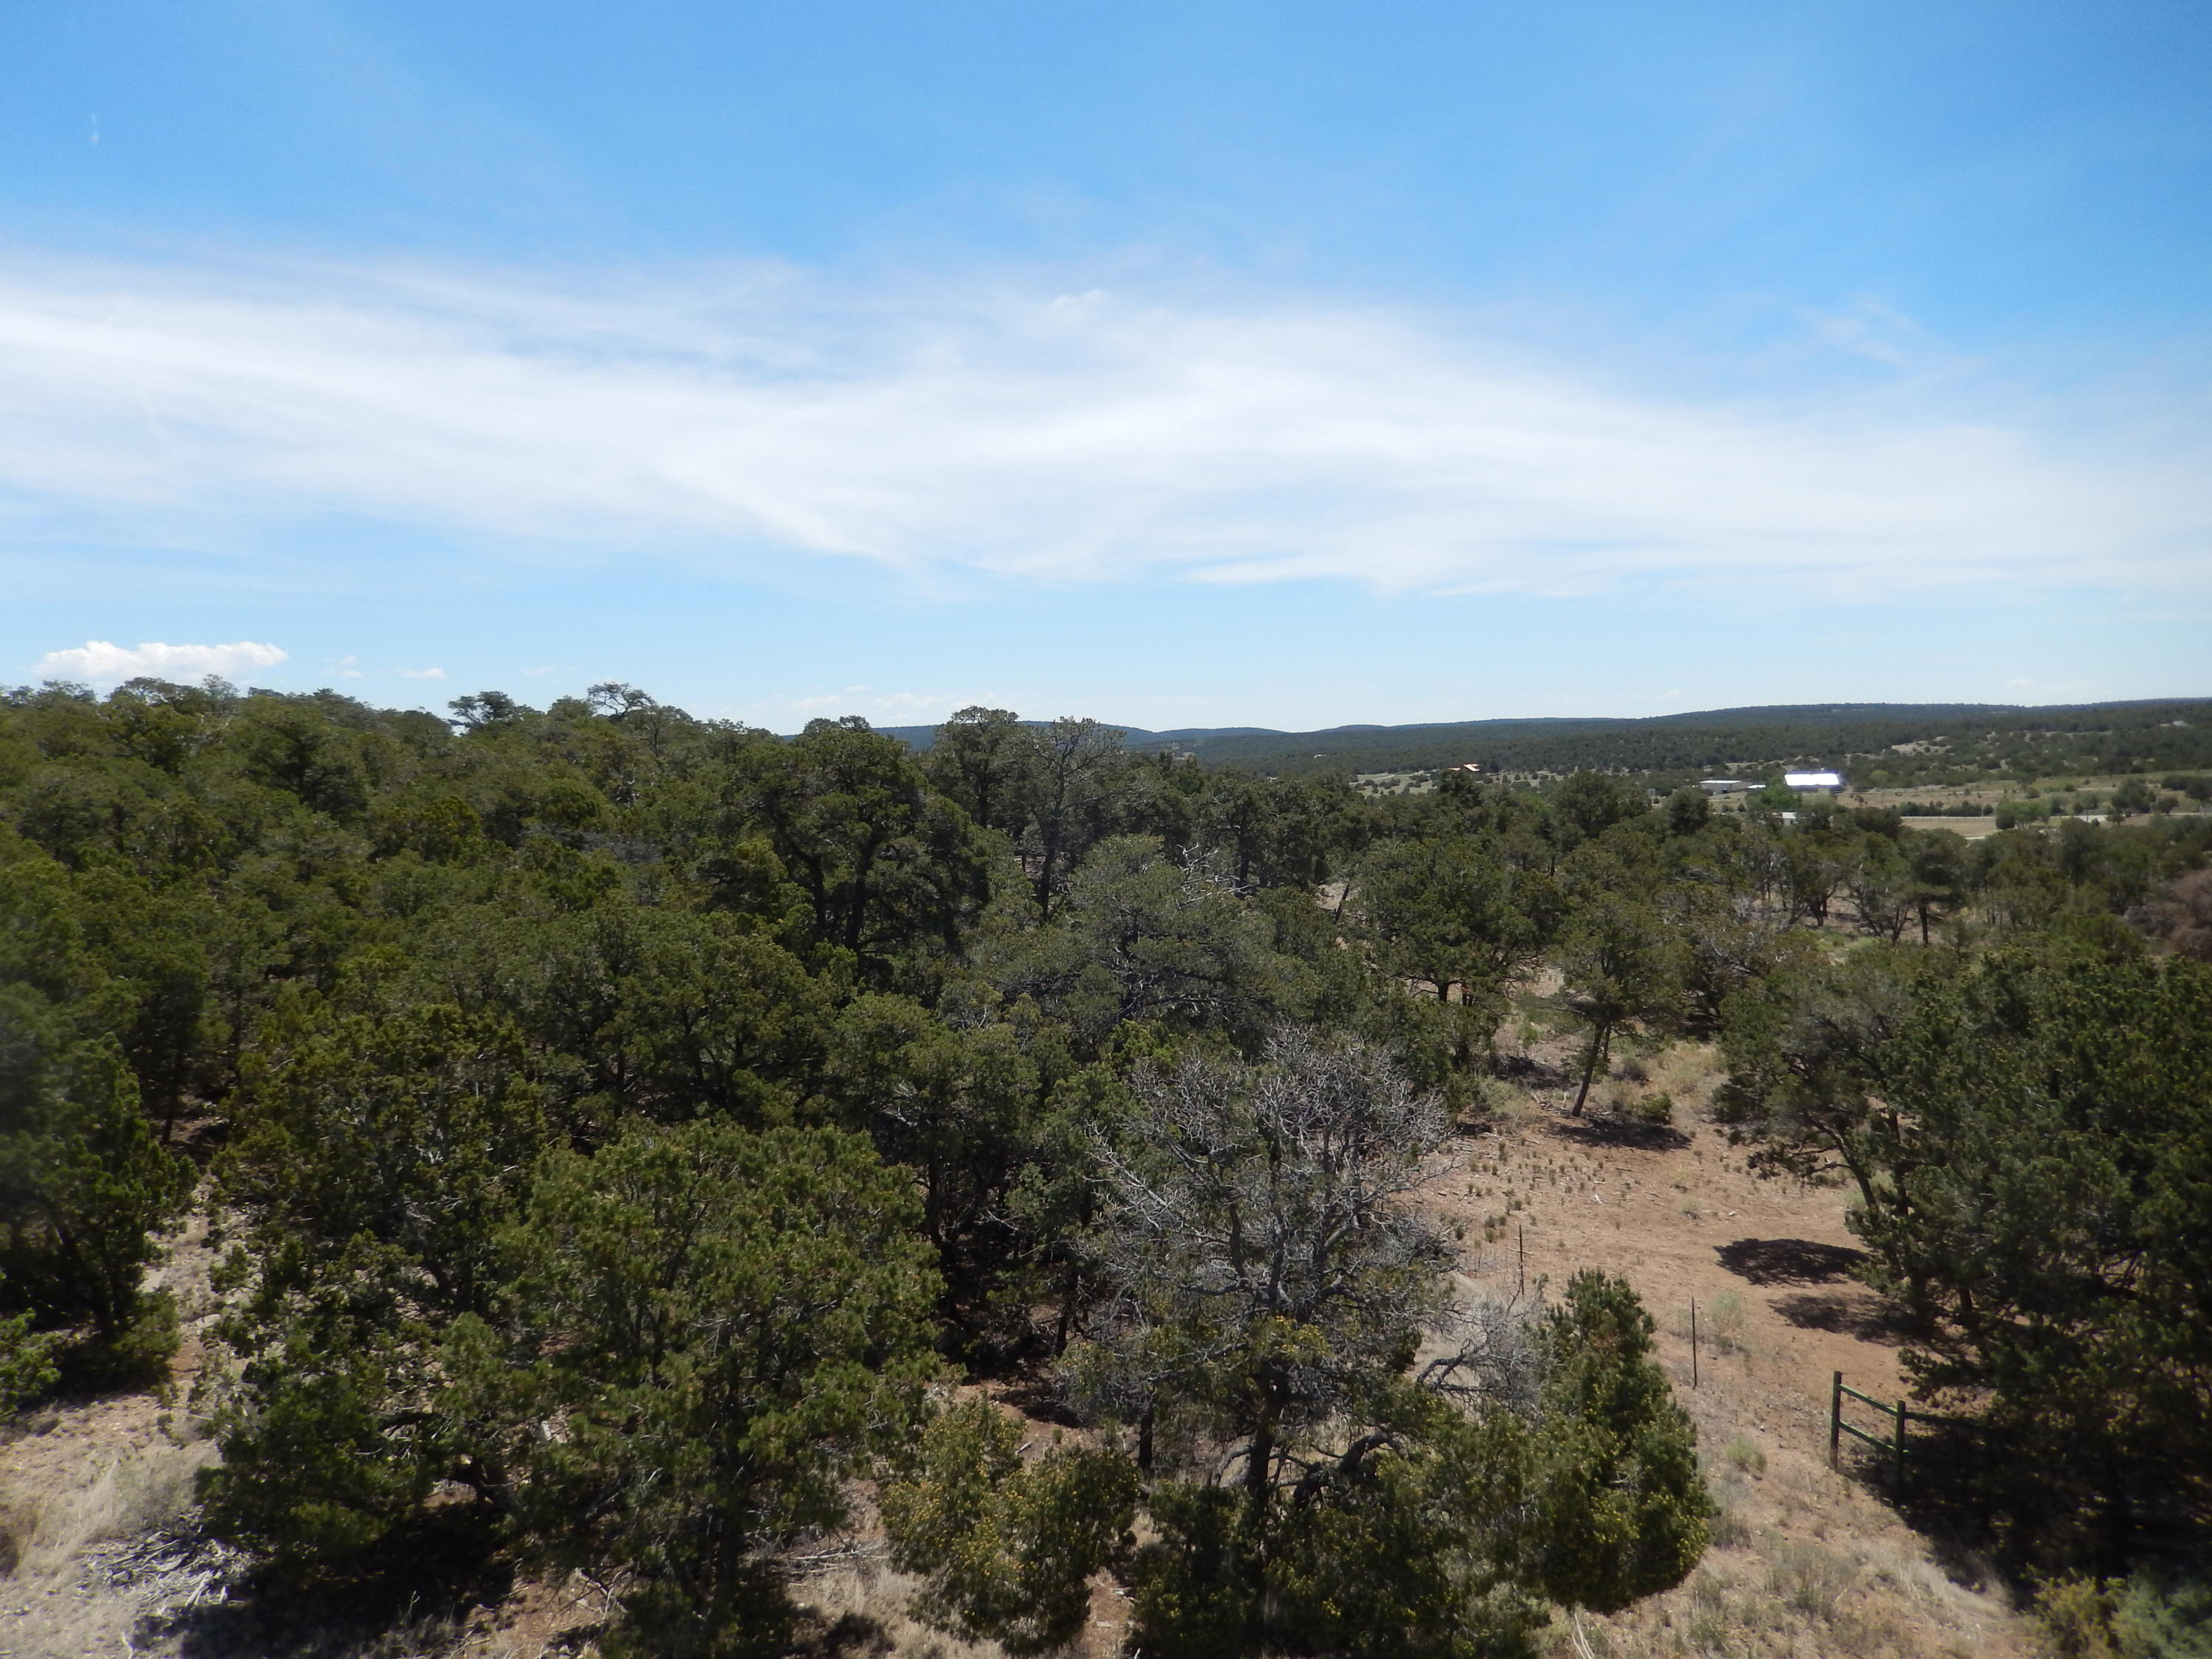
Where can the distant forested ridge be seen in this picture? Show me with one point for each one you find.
(625, 1131)
(1950, 743)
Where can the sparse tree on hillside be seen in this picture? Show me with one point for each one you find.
(1449, 912)
(2046, 1132)
(1619, 1511)
(84, 1189)
(1622, 965)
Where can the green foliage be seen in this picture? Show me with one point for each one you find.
(2049, 1146)
(378, 1156)
(1622, 966)
(1774, 797)
(1141, 938)
(1455, 913)
(1007, 1548)
(337, 1428)
(1077, 787)
(665, 1013)
(708, 1330)
(2150, 1615)
(84, 1188)
(1396, 1558)
(1619, 1509)
(1688, 811)
(888, 867)
(617, 1108)
(2133, 795)
(1588, 804)
(27, 1368)
(964, 1108)
(2162, 1616)
(985, 759)
(2028, 1136)
(413, 1126)
(1804, 1050)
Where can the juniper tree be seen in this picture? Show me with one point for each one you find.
(1622, 965)
(708, 1331)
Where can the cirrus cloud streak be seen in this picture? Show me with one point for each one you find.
(758, 415)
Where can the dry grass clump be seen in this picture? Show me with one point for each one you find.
(1689, 1072)
(1743, 1454)
(858, 1611)
(76, 1516)
(129, 1494)
(53, 1508)
(1772, 1596)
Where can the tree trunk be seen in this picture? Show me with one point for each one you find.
(1067, 1320)
(1258, 1461)
(1600, 1039)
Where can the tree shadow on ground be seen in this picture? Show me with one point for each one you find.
(1532, 1072)
(849, 1636)
(416, 1600)
(1036, 1396)
(1620, 1132)
(1788, 1261)
(1862, 1314)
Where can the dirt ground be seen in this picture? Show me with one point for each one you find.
(94, 1497)
(1806, 1561)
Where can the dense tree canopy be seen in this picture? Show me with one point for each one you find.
(623, 1128)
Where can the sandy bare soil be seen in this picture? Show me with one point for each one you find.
(1808, 1561)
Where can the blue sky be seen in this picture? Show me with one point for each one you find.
(1289, 365)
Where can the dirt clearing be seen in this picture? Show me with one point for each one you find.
(1806, 1561)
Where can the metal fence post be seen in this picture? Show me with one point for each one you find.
(1900, 1446)
(1836, 1421)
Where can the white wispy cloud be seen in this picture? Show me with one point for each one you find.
(422, 673)
(99, 662)
(757, 414)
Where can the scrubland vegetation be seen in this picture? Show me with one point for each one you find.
(610, 1173)
(1881, 745)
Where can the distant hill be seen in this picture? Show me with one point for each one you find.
(2173, 734)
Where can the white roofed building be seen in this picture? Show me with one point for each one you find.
(1831, 781)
